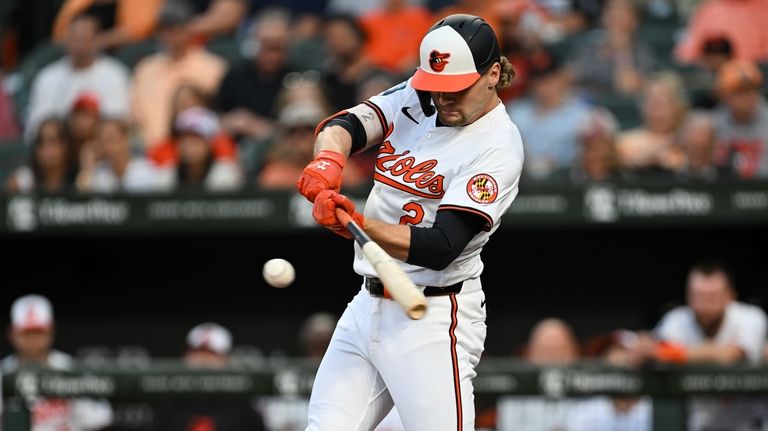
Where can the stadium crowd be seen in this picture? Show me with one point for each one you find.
(158, 95)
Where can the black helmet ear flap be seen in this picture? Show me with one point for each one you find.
(425, 100)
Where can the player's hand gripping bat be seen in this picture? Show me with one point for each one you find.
(397, 283)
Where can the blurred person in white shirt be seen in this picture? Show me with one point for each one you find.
(31, 335)
(118, 169)
(82, 70)
(551, 343)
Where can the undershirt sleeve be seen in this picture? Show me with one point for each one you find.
(437, 246)
(351, 124)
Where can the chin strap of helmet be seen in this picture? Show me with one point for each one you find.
(425, 100)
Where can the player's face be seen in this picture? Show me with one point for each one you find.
(466, 106)
(32, 346)
(708, 297)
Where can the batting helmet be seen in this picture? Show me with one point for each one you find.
(455, 52)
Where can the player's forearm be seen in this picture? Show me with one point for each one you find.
(334, 138)
(394, 239)
(714, 353)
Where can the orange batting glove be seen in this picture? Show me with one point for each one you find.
(324, 212)
(323, 173)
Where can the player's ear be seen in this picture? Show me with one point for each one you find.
(494, 73)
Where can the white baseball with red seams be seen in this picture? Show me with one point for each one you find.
(278, 273)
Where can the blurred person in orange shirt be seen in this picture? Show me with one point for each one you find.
(122, 21)
(741, 120)
(740, 21)
(551, 343)
(31, 334)
(53, 162)
(652, 149)
(157, 76)
(394, 34)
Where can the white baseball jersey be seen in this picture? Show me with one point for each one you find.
(423, 168)
(744, 325)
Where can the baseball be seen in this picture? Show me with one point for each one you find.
(278, 272)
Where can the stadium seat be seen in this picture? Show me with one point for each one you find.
(625, 108)
(226, 47)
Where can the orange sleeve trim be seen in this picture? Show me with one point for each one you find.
(322, 124)
(488, 219)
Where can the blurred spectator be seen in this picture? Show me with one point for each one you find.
(394, 34)
(740, 21)
(82, 123)
(697, 140)
(651, 149)
(197, 168)
(596, 160)
(249, 90)
(549, 119)
(216, 17)
(294, 146)
(31, 335)
(523, 48)
(614, 413)
(52, 166)
(122, 21)
(612, 59)
(208, 347)
(713, 328)
(118, 169)
(81, 71)
(166, 153)
(700, 80)
(157, 77)
(551, 343)
(315, 334)
(742, 120)
(347, 64)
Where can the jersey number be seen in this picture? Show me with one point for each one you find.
(417, 214)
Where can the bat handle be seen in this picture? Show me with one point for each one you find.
(344, 218)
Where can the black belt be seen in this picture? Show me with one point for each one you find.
(375, 287)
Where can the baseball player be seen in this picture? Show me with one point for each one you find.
(442, 182)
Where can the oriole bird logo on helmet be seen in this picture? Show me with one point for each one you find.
(438, 60)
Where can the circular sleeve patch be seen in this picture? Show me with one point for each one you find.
(482, 189)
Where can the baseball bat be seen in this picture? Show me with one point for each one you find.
(395, 280)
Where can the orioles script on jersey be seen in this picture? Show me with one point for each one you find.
(419, 179)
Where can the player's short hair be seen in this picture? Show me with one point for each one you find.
(710, 268)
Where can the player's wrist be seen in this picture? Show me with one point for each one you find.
(333, 156)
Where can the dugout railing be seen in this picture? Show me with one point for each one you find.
(669, 386)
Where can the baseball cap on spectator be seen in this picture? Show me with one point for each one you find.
(738, 75)
(211, 337)
(299, 114)
(86, 102)
(31, 313)
(543, 65)
(198, 121)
